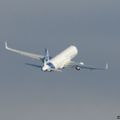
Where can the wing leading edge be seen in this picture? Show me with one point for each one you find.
(27, 54)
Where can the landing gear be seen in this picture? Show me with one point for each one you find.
(77, 68)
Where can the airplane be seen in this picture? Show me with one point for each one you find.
(59, 62)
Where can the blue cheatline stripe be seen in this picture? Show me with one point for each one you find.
(51, 65)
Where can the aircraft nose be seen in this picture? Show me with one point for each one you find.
(45, 68)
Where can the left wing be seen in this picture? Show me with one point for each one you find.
(81, 65)
(31, 55)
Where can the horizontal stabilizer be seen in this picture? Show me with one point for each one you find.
(33, 65)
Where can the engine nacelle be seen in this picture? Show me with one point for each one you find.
(77, 68)
(81, 63)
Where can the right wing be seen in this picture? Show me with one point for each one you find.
(93, 68)
(31, 55)
(81, 65)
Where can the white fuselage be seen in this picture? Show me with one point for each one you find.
(62, 59)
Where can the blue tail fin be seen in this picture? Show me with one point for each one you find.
(47, 56)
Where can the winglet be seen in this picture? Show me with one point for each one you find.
(106, 67)
(6, 45)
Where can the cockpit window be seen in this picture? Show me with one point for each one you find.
(51, 65)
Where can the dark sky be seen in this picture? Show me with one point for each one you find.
(27, 93)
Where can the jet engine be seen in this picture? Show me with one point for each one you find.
(77, 68)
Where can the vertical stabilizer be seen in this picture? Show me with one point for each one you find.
(47, 56)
